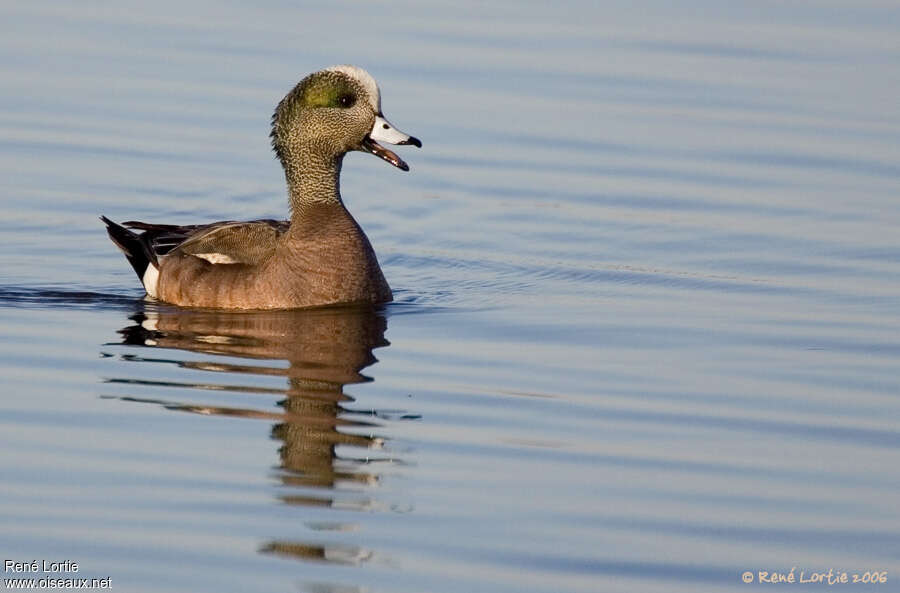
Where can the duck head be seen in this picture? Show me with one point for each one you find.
(332, 112)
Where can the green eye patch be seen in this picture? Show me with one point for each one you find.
(329, 92)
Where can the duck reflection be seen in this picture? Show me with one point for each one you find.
(325, 351)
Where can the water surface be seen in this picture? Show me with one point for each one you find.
(647, 272)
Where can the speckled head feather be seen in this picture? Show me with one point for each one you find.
(373, 93)
(344, 87)
(328, 114)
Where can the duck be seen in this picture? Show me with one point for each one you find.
(320, 256)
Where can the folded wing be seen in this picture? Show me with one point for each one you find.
(228, 242)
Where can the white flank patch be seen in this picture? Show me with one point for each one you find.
(363, 78)
(217, 258)
(151, 280)
(214, 339)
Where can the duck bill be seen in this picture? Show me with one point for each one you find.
(385, 131)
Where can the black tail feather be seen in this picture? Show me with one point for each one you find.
(136, 249)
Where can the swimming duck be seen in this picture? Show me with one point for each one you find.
(320, 256)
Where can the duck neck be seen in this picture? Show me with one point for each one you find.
(313, 179)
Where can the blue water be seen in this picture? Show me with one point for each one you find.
(647, 279)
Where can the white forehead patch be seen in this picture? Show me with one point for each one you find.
(363, 78)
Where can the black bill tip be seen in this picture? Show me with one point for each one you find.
(412, 140)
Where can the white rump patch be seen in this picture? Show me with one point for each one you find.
(151, 323)
(363, 78)
(151, 280)
(217, 258)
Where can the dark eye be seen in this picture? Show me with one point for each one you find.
(347, 100)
